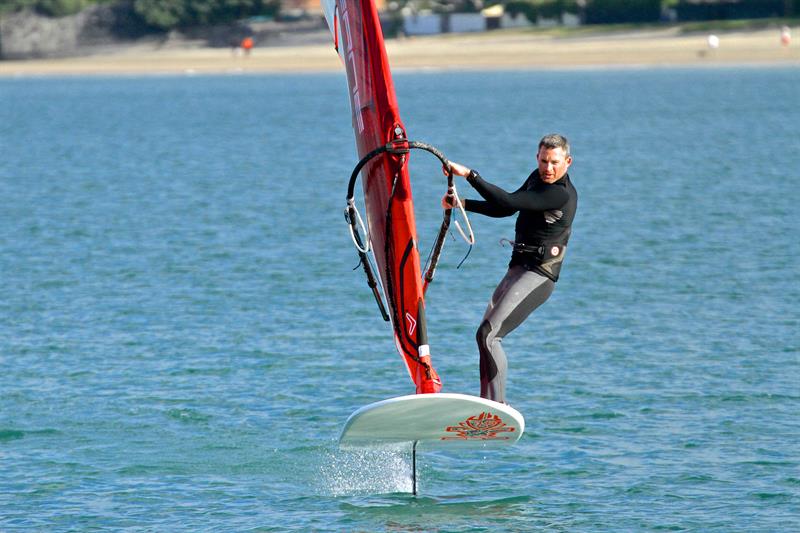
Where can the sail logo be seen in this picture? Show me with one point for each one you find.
(484, 426)
(412, 324)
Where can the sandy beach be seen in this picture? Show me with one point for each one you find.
(511, 49)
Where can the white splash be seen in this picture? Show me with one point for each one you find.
(366, 471)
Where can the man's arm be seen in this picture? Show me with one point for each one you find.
(488, 209)
(519, 200)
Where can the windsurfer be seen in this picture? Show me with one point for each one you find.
(546, 203)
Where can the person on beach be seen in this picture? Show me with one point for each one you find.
(546, 203)
(247, 45)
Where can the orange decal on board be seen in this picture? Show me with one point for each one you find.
(484, 426)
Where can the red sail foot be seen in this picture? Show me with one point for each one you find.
(426, 378)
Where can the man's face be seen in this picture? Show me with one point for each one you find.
(553, 164)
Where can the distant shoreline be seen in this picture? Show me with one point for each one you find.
(477, 51)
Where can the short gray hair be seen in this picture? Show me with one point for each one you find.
(554, 140)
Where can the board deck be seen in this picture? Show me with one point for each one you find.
(442, 419)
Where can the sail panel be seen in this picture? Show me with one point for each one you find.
(357, 32)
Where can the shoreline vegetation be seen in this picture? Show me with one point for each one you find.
(608, 47)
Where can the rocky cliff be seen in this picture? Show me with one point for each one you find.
(27, 34)
(110, 26)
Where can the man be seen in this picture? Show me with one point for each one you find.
(546, 204)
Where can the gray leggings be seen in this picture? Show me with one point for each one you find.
(518, 294)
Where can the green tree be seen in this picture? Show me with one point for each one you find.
(61, 8)
(616, 11)
(10, 6)
(162, 14)
(169, 14)
(51, 8)
(533, 9)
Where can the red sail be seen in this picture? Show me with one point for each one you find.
(387, 191)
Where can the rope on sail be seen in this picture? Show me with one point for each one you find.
(402, 146)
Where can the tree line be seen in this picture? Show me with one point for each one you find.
(159, 14)
(169, 14)
(643, 11)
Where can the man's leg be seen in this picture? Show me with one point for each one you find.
(517, 295)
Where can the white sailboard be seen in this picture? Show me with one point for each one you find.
(434, 420)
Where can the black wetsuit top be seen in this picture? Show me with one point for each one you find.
(546, 212)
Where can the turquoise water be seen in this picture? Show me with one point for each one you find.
(182, 335)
